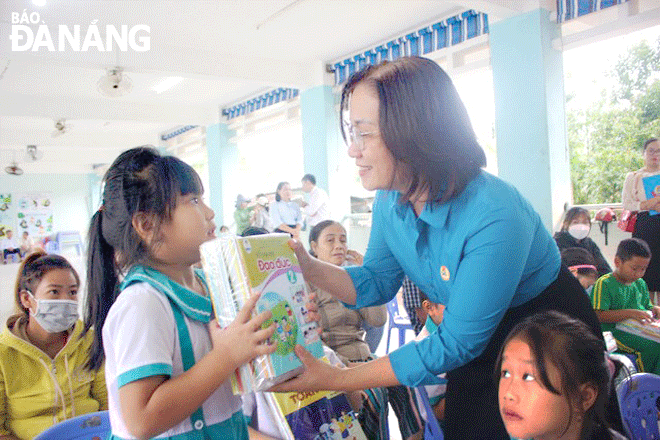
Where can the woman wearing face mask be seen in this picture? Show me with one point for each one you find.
(43, 352)
(574, 233)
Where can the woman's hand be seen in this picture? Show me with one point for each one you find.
(650, 204)
(243, 339)
(306, 261)
(354, 257)
(317, 375)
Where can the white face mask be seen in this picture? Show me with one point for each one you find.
(55, 315)
(578, 230)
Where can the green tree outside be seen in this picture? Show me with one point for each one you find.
(605, 140)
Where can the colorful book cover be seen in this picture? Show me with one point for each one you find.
(237, 266)
(652, 189)
(649, 331)
(317, 415)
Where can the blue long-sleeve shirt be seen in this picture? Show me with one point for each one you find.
(287, 213)
(479, 254)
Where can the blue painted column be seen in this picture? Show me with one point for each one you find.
(323, 149)
(223, 163)
(530, 124)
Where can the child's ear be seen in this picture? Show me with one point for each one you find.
(589, 393)
(145, 226)
(617, 262)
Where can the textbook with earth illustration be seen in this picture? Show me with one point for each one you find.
(235, 267)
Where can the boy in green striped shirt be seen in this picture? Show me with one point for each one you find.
(622, 295)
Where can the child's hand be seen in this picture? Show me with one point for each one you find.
(243, 339)
(656, 312)
(642, 316)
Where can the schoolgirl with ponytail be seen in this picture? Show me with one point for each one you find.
(166, 360)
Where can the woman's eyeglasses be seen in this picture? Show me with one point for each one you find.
(354, 136)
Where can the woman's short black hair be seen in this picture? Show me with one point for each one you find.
(424, 124)
(277, 192)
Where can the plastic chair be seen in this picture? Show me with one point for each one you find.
(52, 247)
(396, 322)
(432, 430)
(92, 426)
(638, 397)
(70, 238)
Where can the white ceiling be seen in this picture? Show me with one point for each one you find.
(225, 50)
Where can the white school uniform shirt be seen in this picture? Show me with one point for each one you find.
(318, 207)
(435, 392)
(141, 339)
(9, 243)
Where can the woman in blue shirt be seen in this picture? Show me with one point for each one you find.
(466, 238)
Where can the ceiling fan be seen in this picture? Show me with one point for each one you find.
(14, 169)
(114, 83)
(32, 154)
(61, 127)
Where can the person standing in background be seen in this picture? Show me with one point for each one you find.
(261, 218)
(243, 214)
(647, 226)
(317, 207)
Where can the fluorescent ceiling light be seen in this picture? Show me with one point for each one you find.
(39, 2)
(167, 84)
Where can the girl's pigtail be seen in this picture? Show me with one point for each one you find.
(102, 281)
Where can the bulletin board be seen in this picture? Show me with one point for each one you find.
(7, 219)
(34, 214)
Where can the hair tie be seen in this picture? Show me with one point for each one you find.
(582, 266)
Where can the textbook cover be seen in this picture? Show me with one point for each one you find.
(652, 189)
(316, 415)
(650, 330)
(237, 266)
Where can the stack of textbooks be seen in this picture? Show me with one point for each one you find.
(648, 331)
(315, 415)
(237, 267)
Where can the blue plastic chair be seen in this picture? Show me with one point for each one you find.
(638, 397)
(396, 322)
(52, 247)
(92, 426)
(70, 238)
(432, 430)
